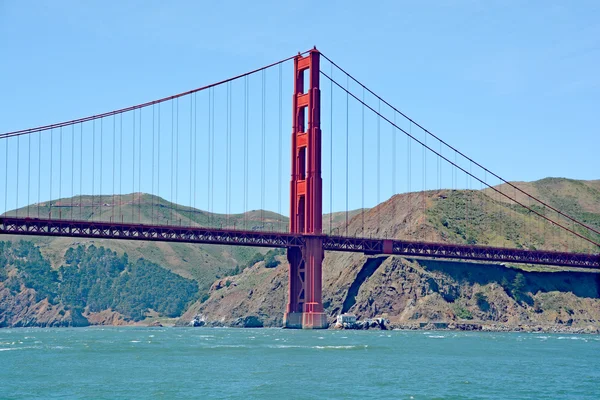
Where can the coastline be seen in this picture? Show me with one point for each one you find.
(431, 327)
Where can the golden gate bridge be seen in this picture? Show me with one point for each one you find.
(221, 147)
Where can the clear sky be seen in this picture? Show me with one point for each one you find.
(514, 85)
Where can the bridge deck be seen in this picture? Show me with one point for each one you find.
(125, 231)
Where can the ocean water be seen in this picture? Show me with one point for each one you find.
(205, 363)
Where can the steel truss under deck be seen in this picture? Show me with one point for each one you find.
(161, 233)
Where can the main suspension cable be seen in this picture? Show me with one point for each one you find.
(459, 167)
(457, 151)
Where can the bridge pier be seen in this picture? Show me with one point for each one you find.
(305, 296)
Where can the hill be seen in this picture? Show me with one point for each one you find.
(234, 282)
(410, 291)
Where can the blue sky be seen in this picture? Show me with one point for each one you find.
(514, 85)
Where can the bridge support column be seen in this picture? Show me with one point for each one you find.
(305, 305)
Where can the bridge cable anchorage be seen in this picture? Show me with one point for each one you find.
(461, 154)
(459, 167)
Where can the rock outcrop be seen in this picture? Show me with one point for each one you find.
(22, 309)
(418, 294)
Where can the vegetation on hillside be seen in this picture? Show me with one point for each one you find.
(96, 279)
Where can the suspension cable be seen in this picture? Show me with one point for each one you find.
(457, 151)
(147, 104)
(461, 168)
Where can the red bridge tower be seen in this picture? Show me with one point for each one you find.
(305, 303)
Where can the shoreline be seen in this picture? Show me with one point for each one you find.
(491, 328)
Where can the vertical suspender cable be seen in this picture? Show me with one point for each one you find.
(171, 200)
(6, 178)
(60, 171)
(262, 176)
(28, 172)
(17, 179)
(378, 162)
(121, 164)
(176, 164)
(227, 116)
(114, 165)
(245, 151)
(212, 158)
(209, 120)
(133, 169)
(424, 152)
(468, 202)
(280, 146)
(93, 165)
(39, 171)
(152, 196)
(51, 169)
(140, 171)
(158, 166)
(393, 174)
(363, 163)
(229, 152)
(101, 148)
(331, 156)
(347, 137)
(409, 176)
(191, 155)
(195, 145)
(80, 171)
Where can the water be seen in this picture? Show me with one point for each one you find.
(166, 363)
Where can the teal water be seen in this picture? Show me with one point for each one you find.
(166, 363)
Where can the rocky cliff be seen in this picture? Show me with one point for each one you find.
(412, 293)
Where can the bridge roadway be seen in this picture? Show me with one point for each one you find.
(185, 234)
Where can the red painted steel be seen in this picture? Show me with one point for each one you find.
(293, 242)
(305, 304)
(305, 242)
